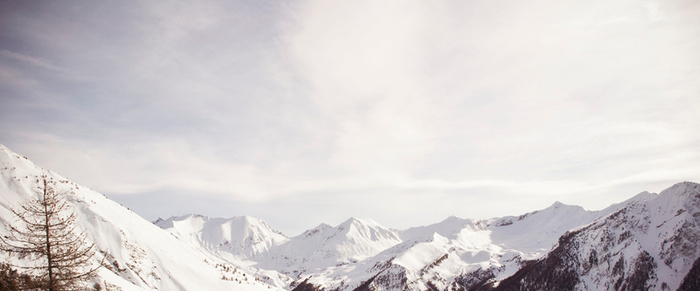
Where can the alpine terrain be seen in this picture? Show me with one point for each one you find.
(648, 242)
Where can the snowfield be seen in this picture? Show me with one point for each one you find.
(649, 241)
(138, 254)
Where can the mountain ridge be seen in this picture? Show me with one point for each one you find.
(137, 255)
(651, 245)
(238, 235)
(648, 241)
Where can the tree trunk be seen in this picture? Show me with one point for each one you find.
(48, 240)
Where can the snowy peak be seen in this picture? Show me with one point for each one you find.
(641, 197)
(351, 229)
(557, 204)
(316, 230)
(450, 228)
(9, 158)
(682, 188)
(241, 235)
(559, 207)
(636, 199)
(649, 244)
(18, 173)
(560, 211)
(136, 254)
(678, 203)
(325, 246)
(681, 191)
(356, 221)
(355, 239)
(366, 230)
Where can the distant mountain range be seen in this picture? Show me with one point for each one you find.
(648, 242)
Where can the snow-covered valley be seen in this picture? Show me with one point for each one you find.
(649, 241)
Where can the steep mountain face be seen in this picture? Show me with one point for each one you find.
(325, 246)
(137, 254)
(467, 254)
(692, 279)
(534, 250)
(459, 254)
(240, 236)
(462, 254)
(251, 239)
(649, 242)
(652, 245)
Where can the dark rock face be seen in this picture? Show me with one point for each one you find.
(641, 276)
(557, 271)
(474, 281)
(692, 279)
(562, 270)
(306, 286)
(625, 250)
(606, 251)
(392, 278)
(615, 253)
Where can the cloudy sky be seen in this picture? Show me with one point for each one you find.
(406, 112)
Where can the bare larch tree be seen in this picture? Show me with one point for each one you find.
(45, 231)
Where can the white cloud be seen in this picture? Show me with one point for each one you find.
(512, 79)
(388, 100)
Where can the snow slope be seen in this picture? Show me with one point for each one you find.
(251, 239)
(649, 241)
(138, 255)
(324, 246)
(240, 236)
(647, 245)
(451, 253)
(444, 255)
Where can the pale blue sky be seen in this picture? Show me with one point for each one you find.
(404, 112)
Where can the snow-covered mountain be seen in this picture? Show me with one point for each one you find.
(649, 241)
(649, 245)
(242, 236)
(137, 254)
(455, 254)
(252, 239)
(458, 253)
(317, 249)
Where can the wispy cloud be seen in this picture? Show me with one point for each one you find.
(30, 60)
(317, 103)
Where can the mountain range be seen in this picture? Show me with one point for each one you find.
(648, 242)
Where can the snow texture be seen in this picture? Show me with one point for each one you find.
(649, 241)
(138, 254)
